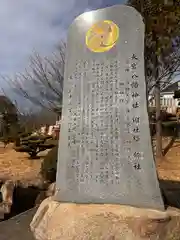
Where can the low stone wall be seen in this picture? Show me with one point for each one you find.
(17, 198)
(7, 190)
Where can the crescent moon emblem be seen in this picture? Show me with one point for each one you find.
(102, 36)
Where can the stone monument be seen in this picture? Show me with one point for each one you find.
(105, 152)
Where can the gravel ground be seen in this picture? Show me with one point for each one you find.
(17, 228)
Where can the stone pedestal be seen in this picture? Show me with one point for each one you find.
(66, 221)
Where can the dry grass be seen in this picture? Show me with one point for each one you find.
(16, 166)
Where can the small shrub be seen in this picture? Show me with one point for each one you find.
(49, 165)
(171, 124)
(165, 116)
(169, 128)
(33, 145)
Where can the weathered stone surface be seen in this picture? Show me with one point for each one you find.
(6, 190)
(67, 221)
(51, 190)
(44, 194)
(105, 153)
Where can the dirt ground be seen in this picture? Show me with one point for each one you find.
(16, 166)
(169, 166)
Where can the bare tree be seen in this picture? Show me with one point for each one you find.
(162, 50)
(31, 121)
(42, 81)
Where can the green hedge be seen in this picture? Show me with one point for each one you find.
(168, 128)
(169, 124)
(49, 165)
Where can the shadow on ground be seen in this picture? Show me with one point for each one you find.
(23, 200)
(171, 193)
(26, 198)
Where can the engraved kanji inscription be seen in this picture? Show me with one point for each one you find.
(105, 153)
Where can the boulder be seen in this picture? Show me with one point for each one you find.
(6, 191)
(68, 221)
(46, 193)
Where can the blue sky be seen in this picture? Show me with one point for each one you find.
(36, 25)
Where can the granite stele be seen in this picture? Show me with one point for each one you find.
(105, 151)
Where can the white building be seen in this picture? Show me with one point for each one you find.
(167, 98)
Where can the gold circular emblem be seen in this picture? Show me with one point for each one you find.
(102, 36)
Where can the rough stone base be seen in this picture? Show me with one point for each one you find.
(7, 197)
(67, 221)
